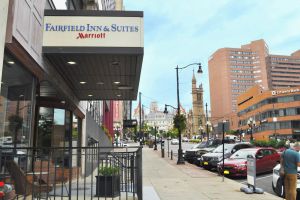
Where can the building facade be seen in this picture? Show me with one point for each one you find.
(271, 113)
(198, 116)
(157, 118)
(232, 71)
(283, 70)
(48, 99)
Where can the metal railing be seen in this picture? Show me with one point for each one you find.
(73, 173)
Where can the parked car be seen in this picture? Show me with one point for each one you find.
(277, 182)
(236, 165)
(185, 139)
(174, 141)
(210, 160)
(198, 150)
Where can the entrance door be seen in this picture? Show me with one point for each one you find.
(51, 127)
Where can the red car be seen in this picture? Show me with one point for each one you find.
(236, 165)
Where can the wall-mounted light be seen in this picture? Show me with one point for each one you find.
(72, 63)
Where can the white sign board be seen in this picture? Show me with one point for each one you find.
(251, 170)
(93, 31)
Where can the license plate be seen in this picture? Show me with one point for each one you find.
(226, 172)
(205, 163)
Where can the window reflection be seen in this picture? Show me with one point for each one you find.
(15, 104)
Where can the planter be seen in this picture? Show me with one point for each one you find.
(107, 186)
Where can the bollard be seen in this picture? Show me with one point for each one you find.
(171, 154)
(162, 145)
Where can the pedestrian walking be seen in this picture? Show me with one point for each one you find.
(290, 160)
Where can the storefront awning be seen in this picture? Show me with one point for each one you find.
(98, 53)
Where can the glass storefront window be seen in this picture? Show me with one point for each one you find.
(16, 104)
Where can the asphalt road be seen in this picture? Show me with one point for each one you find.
(263, 181)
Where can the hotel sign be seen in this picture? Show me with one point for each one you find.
(278, 92)
(93, 31)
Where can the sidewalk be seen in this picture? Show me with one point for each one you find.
(165, 180)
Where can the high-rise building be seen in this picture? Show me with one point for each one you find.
(198, 117)
(234, 70)
(108, 4)
(283, 71)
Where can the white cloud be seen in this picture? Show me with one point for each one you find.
(182, 32)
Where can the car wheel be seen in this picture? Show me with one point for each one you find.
(279, 190)
(274, 189)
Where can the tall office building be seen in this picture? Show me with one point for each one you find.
(234, 70)
(108, 4)
(284, 71)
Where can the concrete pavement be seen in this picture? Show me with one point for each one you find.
(165, 180)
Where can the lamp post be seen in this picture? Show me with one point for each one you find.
(155, 143)
(274, 122)
(180, 158)
(140, 113)
(251, 123)
(223, 152)
(207, 134)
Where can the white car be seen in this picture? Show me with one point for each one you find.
(277, 181)
(185, 139)
(174, 141)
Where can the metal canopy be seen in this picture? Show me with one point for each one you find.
(98, 73)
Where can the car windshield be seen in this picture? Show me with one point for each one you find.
(210, 143)
(242, 154)
(201, 145)
(227, 147)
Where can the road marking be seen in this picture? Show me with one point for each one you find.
(263, 177)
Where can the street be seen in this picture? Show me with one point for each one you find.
(263, 181)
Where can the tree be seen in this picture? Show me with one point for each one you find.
(173, 133)
(179, 122)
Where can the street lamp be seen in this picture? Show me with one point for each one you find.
(180, 158)
(201, 132)
(155, 142)
(251, 124)
(207, 134)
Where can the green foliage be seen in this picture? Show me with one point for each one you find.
(179, 122)
(109, 170)
(173, 133)
(271, 143)
(195, 140)
(232, 132)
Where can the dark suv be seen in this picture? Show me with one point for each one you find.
(198, 150)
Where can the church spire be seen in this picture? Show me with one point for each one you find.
(194, 78)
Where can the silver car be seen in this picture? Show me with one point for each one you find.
(174, 141)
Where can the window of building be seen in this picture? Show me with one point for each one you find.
(17, 102)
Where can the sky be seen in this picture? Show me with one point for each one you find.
(183, 32)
